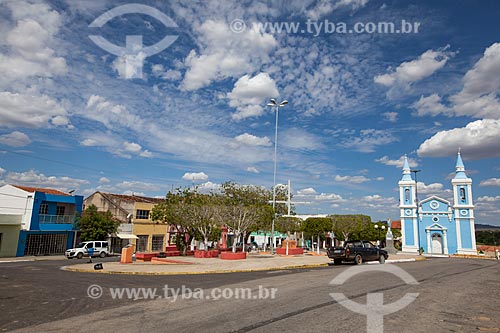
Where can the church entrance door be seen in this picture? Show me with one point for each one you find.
(437, 244)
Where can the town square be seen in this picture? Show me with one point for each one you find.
(249, 166)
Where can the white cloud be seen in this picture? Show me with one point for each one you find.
(479, 95)
(30, 110)
(430, 105)
(397, 163)
(368, 140)
(390, 116)
(252, 140)
(98, 108)
(208, 187)
(479, 139)
(249, 93)
(488, 199)
(195, 176)
(412, 71)
(135, 148)
(329, 197)
(299, 139)
(490, 182)
(225, 54)
(351, 179)
(104, 180)
(252, 169)
(15, 139)
(379, 178)
(430, 188)
(30, 44)
(36, 179)
(306, 191)
(325, 7)
(129, 187)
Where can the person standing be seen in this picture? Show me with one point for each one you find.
(90, 252)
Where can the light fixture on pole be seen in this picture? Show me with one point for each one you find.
(272, 103)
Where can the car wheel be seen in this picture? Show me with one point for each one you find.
(358, 260)
(102, 254)
(337, 261)
(381, 259)
(79, 255)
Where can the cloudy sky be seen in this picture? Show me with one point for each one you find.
(180, 97)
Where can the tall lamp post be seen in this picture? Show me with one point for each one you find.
(272, 103)
(376, 226)
(416, 201)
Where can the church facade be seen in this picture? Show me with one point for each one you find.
(434, 224)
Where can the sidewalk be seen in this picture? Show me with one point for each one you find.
(32, 258)
(191, 265)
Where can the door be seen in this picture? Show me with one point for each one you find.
(437, 244)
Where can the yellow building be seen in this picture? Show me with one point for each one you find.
(136, 227)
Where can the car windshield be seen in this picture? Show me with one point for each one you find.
(80, 245)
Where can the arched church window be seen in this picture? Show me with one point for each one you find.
(462, 194)
(407, 194)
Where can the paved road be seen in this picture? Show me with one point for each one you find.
(454, 295)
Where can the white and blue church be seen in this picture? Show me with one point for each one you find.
(434, 224)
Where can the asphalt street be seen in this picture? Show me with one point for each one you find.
(450, 295)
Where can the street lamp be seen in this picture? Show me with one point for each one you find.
(272, 103)
(416, 201)
(376, 226)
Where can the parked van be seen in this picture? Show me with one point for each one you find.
(82, 249)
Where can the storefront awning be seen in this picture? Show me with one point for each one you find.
(126, 236)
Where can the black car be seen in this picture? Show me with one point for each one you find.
(357, 251)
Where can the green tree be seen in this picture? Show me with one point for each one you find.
(95, 225)
(287, 224)
(242, 207)
(175, 211)
(346, 226)
(317, 226)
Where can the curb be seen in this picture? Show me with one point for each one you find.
(83, 270)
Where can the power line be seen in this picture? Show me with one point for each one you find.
(82, 166)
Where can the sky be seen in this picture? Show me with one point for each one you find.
(142, 98)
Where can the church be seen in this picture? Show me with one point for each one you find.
(434, 224)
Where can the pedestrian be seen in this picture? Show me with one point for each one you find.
(90, 252)
(497, 254)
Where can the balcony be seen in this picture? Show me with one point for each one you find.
(56, 219)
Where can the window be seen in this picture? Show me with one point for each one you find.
(142, 214)
(60, 210)
(462, 194)
(157, 243)
(44, 209)
(407, 195)
(142, 243)
(97, 244)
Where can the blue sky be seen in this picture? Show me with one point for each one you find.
(74, 116)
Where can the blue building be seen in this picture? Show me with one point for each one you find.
(434, 224)
(47, 218)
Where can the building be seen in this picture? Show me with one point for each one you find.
(434, 224)
(136, 226)
(10, 226)
(45, 220)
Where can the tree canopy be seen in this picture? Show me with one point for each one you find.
(95, 225)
